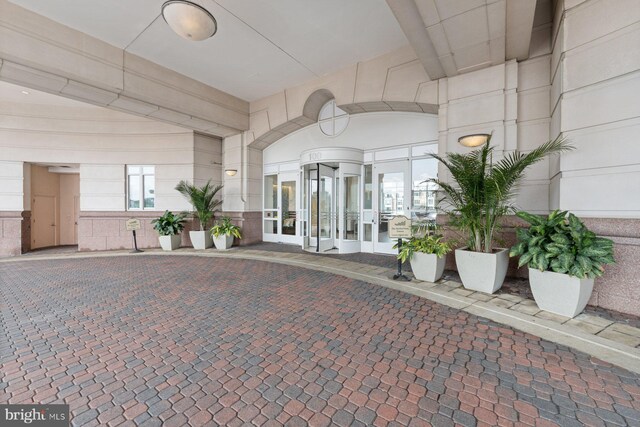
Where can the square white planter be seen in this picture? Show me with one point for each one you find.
(427, 267)
(169, 243)
(201, 239)
(480, 271)
(223, 242)
(560, 293)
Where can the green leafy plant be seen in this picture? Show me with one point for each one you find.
(225, 227)
(482, 191)
(202, 199)
(169, 223)
(429, 244)
(562, 244)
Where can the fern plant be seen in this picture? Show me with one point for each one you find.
(429, 244)
(561, 244)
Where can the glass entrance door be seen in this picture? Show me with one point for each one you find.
(349, 218)
(391, 197)
(322, 207)
(280, 208)
(287, 193)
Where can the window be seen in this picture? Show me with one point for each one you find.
(332, 120)
(423, 193)
(141, 187)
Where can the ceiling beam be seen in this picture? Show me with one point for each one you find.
(410, 20)
(520, 14)
(39, 53)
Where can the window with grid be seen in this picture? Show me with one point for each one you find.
(141, 187)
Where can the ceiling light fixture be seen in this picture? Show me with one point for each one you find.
(189, 20)
(231, 172)
(474, 140)
(24, 92)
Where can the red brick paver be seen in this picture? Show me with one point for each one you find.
(189, 341)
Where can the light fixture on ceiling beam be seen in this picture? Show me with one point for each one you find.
(189, 20)
(474, 140)
(231, 172)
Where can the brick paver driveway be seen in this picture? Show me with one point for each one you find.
(186, 340)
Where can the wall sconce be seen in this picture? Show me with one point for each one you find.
(231, 172)
(474, 140)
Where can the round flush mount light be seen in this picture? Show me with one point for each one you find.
(474, 140)
(231, 172)
(189, 20)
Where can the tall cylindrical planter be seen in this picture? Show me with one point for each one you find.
(560, 293)
(481, 271)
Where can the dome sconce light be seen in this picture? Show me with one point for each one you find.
(474, 140)
(189, 20)
(231, 172)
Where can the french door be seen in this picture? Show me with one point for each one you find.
(281, 208)
(391, 197)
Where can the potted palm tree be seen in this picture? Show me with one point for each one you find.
(224, 232)
(481, 193)
(169, 226)
(564, 258)
(204, 206)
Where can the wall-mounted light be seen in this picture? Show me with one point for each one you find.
(231, 172)
(474, 140)
(189, 20)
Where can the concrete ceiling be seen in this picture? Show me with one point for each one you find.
(261, 47)
(457, 36)
(265, 46)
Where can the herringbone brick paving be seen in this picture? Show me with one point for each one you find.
(195, 341)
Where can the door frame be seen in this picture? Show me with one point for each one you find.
(402, 166)
(287, 238)
(346, 170)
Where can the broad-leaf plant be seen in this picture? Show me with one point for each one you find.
(561, 243)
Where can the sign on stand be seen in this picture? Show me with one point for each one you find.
(133, 224)
(400, 228)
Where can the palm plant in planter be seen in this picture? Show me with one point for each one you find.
(169, 226)
(482, 192)
(204, 206)
(427, 255)
(564, 258)
(224, 232)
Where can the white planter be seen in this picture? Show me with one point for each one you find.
(223, 242)
(560, 293)
(169, 243)
(201, 239)
(427, 267)
(480, 271)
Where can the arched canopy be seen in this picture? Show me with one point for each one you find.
(314, 104)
